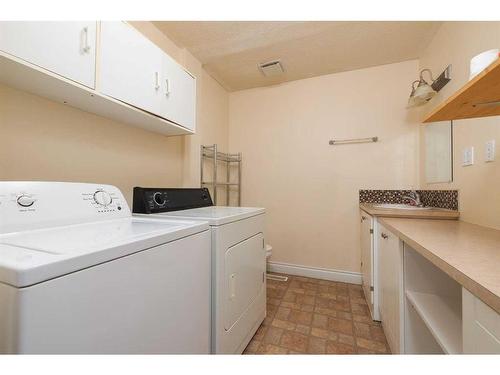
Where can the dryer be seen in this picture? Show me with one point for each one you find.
(238, 259)
(80, 275)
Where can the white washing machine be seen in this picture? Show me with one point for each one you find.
(238, 259)
(79, 274)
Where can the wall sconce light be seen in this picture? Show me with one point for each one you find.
(423, 92)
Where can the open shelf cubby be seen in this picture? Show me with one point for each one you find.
(433, 308)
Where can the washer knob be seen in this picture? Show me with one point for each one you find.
(25, 200)
(102, 198)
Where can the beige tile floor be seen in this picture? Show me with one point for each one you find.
(311, 316)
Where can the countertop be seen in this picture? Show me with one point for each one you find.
(468, 253)
(433, 213)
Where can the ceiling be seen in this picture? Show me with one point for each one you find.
(231, 51)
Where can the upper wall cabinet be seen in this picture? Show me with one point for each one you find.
(65, 48)
(178, 102)
(137, 83)
(136, 71)
(131, 67)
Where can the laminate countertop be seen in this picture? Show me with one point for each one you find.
(468, 253)
(432, 213)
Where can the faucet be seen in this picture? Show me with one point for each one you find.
(414, 198)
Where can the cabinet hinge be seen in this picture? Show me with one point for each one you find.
(371, 231)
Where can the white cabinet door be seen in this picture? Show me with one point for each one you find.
(367, 256)
(130, 67)
(179, 94)
(481, 326)
(64, 48)
(391, 287)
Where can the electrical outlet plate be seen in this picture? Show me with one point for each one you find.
(489, 152)
(468, 156)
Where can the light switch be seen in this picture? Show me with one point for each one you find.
(468, 156)
(489, 152)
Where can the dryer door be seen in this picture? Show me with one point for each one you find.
(244, 277)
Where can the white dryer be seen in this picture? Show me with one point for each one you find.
(238, 259)
(79, 274)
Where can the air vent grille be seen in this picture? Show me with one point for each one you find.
(271, 68)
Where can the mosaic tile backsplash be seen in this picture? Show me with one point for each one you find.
(433, 198)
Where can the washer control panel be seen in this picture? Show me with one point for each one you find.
(28, 205)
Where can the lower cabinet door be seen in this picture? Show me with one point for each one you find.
(366, 256)
(481, 326)
(391, 287)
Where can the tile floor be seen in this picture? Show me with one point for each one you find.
(311, 316)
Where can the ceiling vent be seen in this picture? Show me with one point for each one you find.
(271, 68)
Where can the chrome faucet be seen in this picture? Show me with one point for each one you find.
(414, 198)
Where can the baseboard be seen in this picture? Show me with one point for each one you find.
(315, 272)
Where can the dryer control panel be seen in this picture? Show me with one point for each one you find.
(156, 200)
(28, 205)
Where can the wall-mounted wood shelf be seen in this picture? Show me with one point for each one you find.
(480, 97)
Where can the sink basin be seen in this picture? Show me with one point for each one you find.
(398, 206)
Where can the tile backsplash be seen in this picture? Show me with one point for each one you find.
(434, 198)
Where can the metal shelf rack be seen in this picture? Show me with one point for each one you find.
(232, 161)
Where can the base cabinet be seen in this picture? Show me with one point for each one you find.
(425, 311)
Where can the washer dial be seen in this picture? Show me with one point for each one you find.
(25, 200)
(102, 198)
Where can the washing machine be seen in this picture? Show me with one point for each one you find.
(80, 275)
(238, 258)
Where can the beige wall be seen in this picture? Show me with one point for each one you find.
(44, 140)
(456, 43)
(310, 189)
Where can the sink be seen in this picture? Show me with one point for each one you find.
(398, 206)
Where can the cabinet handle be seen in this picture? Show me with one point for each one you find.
(232, 286)
(167, 86)
(384, 236)
(157, 81)
(86, 47)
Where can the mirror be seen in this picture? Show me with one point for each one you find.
(439, 152)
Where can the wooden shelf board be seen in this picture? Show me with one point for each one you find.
(443, 318)
(471, 100)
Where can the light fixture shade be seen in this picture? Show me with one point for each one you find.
(424, 92)
(414, 102)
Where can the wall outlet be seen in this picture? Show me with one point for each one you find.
(468, 156)
(489, 151)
